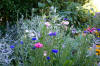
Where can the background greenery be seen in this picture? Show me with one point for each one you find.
(12, 10)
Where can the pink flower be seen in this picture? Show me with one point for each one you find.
(91, 30)
(38, 45)
(47, 24)
(88, 29)
(65, 22)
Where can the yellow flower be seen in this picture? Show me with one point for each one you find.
(96, 32)
(97, 45)
(98, 50)
(97, 53)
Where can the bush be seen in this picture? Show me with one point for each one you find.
(78, 15)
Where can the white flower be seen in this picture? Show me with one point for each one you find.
(45, 53)
(26, 30)
(47, 24)
(31, 35)
(65, 22)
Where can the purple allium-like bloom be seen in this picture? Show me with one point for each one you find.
(12, 46)
(34, 38)
(54, 50)
(48, 58)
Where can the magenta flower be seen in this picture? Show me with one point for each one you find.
(38, 45)
(91, 30)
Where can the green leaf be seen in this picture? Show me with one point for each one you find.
(41, 4)
(49, 1)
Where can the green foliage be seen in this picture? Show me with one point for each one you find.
(77, 14)
(71, 51)
(9, 9)
(96, 20)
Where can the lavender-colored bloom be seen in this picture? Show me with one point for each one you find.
(97, 13)
(94, 46)
(21, 42)
(63, 46)
(54, 50)
(34, 38)
(48, 58)
(65, 18)
(99, 64)
(12, 46)
(74, 30)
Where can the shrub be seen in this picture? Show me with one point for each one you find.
(77, 14)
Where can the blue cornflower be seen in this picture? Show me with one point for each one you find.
(21, 42)
(54, 50)
(52, 34)
(12, 46)
(65, 18)
(48, 58)
(34, 47)
(98, 29)
(34, 38)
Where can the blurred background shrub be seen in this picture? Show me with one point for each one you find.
(12, 10)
